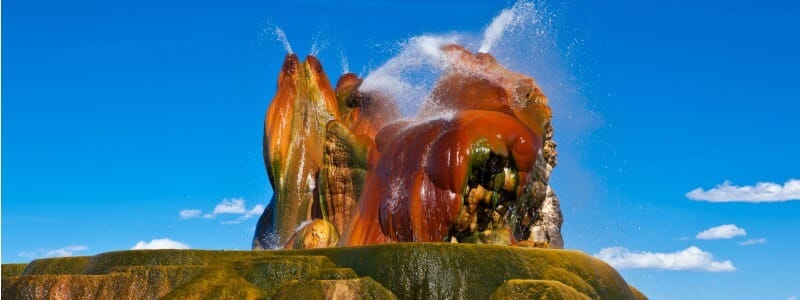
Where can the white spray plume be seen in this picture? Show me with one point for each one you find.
(319, 44)
(496, 29)
(281, 37)
(510, 19)
(408, 76)
(345, 65)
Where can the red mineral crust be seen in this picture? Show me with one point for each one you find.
(416, 190)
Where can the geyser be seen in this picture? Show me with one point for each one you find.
(472, 166)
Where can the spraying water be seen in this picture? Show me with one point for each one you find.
(495, 30)
(345, 65)
(408, 77)
(515, 18)
(318, 45)
(281, 36)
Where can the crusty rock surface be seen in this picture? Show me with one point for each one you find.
(472, 167)
(401, 270)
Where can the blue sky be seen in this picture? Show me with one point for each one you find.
(117, 116)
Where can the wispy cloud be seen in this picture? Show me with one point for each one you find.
(691, 258)
(190, 213)
(60, 252)
(761, 192)
(722, 232)
(164, 243)
(751, 242)
(255, 211)
(234, 206)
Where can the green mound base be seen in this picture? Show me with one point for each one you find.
(403, 270)
(537, 289)
(9, 270)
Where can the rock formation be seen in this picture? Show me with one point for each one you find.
(473, 166)
(389, 271)
(296, 123)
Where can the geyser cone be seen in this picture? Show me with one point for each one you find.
(294, 132)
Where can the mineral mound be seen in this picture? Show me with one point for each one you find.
(388, 271)
(472, 166)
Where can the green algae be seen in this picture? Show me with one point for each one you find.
(465, 271)
(268, 274)
(112, 286)
(57, 266)
(104, 262)
(334, 273)
(9, 270)
(363, 288)
(537, 289)
(219, 282)
(405, 270)
(156, 281)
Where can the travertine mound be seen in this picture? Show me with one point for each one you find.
(399, 270)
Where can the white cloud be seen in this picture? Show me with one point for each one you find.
(60, 252)
(66, 251)
(791, 298)
(691, 258)
(190, 213)
(234, 206)
(722, 232)
(751, 242)
(164, 243)
(761, 192)
(255, 211)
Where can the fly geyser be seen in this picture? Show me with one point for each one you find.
(428, 178)
(471, 166)
(451, 203)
